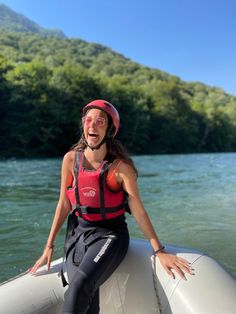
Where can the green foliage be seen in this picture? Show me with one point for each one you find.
(10, 21)
(45, 81)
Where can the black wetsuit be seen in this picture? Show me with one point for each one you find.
(96, 251)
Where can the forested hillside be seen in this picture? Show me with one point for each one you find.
(45, 80)
(10, 21)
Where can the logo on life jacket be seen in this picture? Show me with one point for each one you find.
(88, 191)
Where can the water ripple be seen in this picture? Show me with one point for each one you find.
(190, 199)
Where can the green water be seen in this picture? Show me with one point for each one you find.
(191, 200)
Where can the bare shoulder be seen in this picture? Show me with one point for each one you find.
(126, 170)
(68, 160)
(69, 156)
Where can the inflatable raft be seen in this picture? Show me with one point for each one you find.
(139, 286)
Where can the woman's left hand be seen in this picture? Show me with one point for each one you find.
(179, 264)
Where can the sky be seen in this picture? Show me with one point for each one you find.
(194, 40)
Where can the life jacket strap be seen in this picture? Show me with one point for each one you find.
(86, 210)
(76, 171)
(103, 210)
(78, 158)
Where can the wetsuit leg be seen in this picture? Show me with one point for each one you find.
(94, 306)
(98, 263)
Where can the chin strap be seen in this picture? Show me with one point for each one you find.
(98, 146)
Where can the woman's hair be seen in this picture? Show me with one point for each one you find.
(115, 149)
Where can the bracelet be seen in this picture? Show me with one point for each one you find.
(159, 250)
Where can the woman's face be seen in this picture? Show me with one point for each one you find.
(95, 123)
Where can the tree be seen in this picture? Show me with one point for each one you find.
(174, 125)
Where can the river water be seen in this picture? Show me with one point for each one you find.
(191, 200)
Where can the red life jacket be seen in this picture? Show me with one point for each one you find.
(90, 196)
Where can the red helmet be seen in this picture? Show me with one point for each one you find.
(108, 108)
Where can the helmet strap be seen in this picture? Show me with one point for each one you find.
(98, 146)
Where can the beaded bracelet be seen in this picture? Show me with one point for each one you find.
(159, 250)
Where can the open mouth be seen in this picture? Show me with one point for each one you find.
(93, 135)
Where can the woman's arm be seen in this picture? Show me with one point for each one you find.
(62, 209)
(128, 179)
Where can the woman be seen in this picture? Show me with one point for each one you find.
(98, 184)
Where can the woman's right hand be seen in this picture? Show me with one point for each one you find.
(45, 258)
(62, 210)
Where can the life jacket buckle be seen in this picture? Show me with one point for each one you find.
(84, 210)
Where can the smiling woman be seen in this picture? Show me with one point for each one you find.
(98, 238)
(95, 123)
